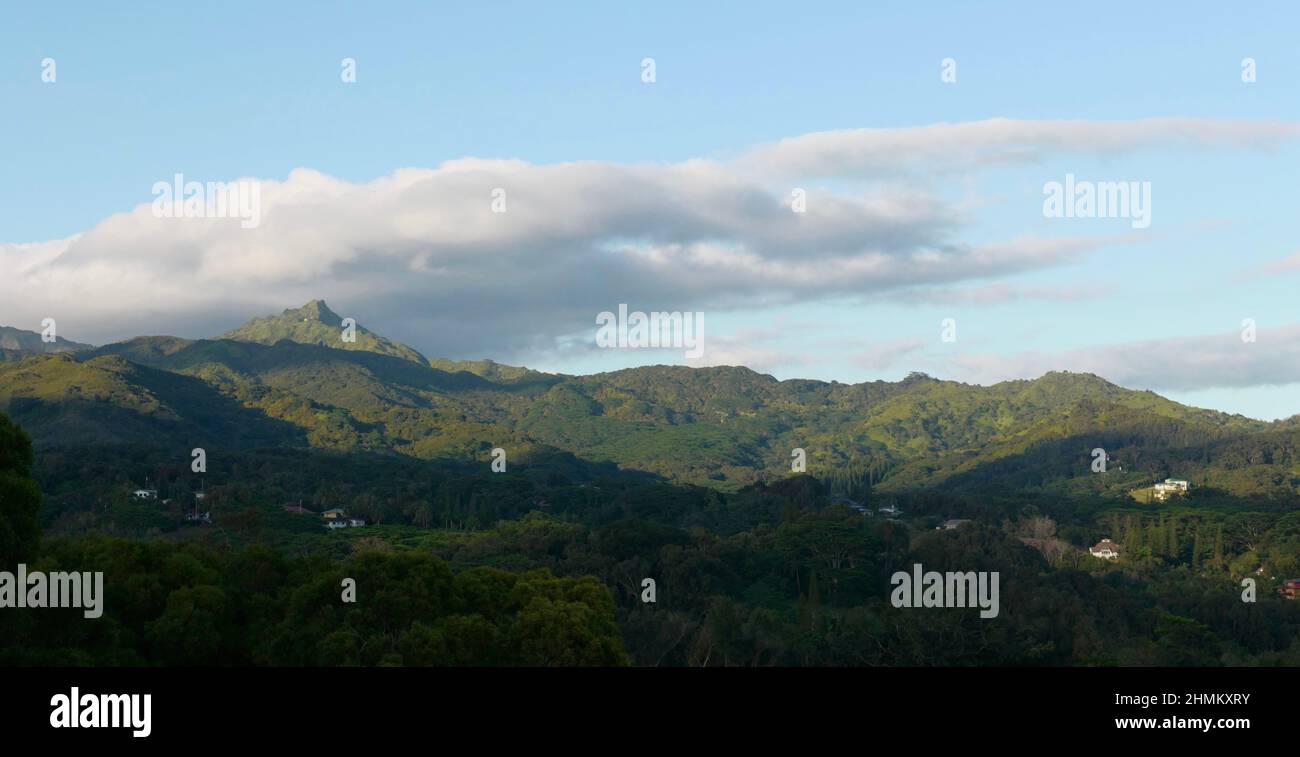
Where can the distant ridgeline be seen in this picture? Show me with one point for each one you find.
(309, 378)
(15, 342)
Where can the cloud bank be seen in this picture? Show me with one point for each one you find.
(421, 255)
(1179, 364)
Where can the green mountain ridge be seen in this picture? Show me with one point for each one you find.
(315, 323)
(289, 380)
(15, 341)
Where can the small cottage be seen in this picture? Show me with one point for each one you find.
(1105, 549)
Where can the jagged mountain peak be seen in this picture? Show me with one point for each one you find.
(315, 323)
(316, 310)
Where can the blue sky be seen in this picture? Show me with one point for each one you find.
(254, 91)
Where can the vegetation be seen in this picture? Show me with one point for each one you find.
(14, 340)
(672, 474)
(315, 323)
(291, 381)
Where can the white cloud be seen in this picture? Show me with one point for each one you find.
(1178, 364)
(999, 141)
(420, 255)
(1289, 263)
(996, 294)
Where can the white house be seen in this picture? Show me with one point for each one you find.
(146, 494)
(1170, 486)
(890, 511)
(339, 518)
(1105, 549)
(949, 525)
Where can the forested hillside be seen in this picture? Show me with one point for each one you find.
(290, 380)
(677, 475)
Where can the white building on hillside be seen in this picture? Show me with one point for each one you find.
(1105, 549)
(1170, 486)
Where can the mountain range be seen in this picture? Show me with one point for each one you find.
(18, 341)
(290, 380)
